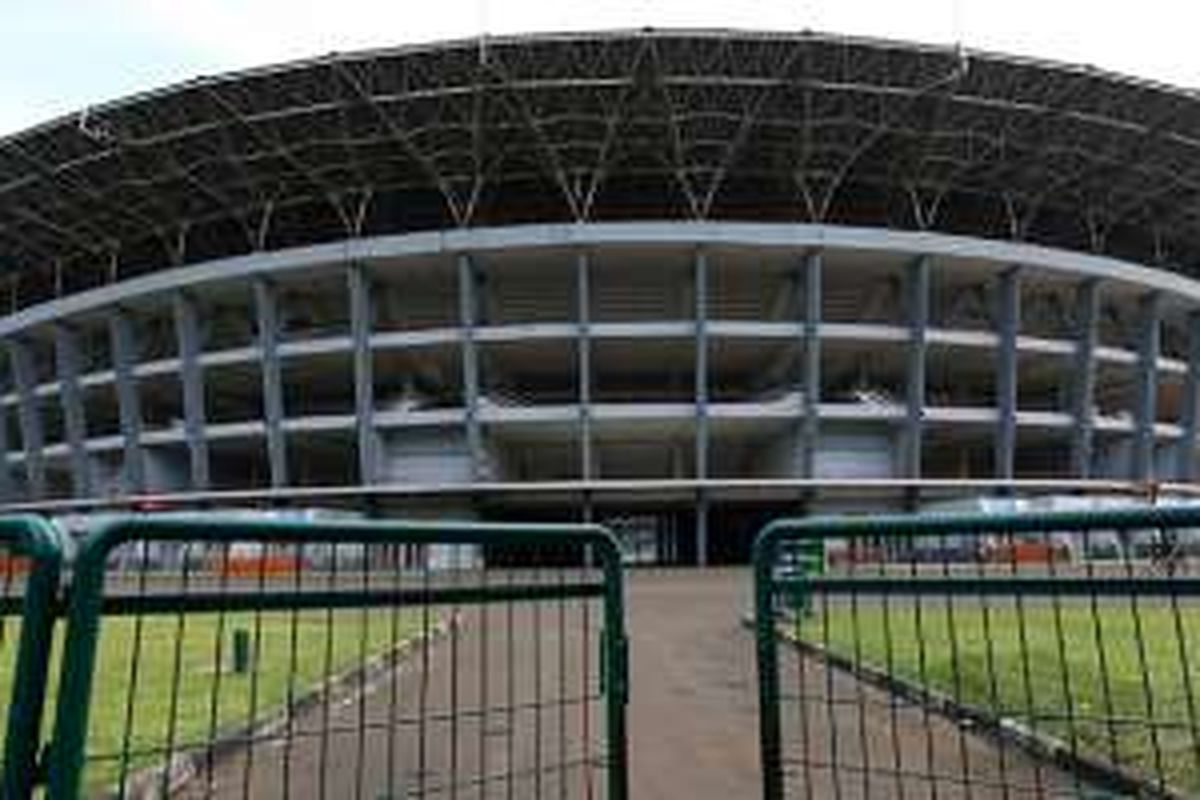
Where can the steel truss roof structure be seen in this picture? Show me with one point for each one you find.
(649, 124)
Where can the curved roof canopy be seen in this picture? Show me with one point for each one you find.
(650, 124)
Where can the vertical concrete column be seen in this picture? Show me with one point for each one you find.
(6, 482)
(468, 311)
(187, 332)
(1087, 309)
(583, 353)
(700, 283)
(30, 417)
(917, 304)
(124, 357)
(1008, 326)
(361, 323)
(810, 420)
(266, 304)
(67, 358)
(1185, 453)
(1146, 400)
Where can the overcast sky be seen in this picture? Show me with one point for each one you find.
(57, 56)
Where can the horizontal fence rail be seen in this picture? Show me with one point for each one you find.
(211, 657)
(1024, 655)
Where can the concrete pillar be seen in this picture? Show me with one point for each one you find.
(700, 282)
(124, 357)
(30, 417)
(917, 303)
(67, 358)
(187, 331)
(468, 308)
(810, 424)
(7, 490)
(1146, 398)
(1087, 308)
(1185, 454)
(266, 303)
(1008, 326)
(583, 344)
(361, 316)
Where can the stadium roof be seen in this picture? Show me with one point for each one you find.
(646, 124)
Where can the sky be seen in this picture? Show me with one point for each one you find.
(59, 56)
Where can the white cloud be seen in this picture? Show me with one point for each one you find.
(62, 54)
(1152, 37)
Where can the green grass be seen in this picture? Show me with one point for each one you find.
(139, 722)
(1039, 679)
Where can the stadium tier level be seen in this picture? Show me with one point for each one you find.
(679, 282)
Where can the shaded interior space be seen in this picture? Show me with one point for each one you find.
(416, 378)
(529, 373)
(662, 370)
(414, 293)
(965, 452)
(733, 527)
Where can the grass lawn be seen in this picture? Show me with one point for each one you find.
(1112, 691)
(134, 715)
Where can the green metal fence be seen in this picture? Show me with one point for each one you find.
(1029, 655)
(30, 563)
(209, 657)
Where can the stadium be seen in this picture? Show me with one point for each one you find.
(677, 282)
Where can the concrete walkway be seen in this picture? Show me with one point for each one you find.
(695, 714)
(693, 717)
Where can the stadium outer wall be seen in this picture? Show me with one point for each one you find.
(682, 381)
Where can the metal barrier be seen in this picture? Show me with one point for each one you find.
(1026, 655)
(30, 563)
(210, 657)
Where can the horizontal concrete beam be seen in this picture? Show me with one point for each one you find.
(829, 238)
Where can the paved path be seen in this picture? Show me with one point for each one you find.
(694, 714)
(693, 717)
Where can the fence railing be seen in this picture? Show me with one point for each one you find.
(210, 656)
(1025, 655)
(30, 563)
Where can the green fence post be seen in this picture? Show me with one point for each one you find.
(38, 540)
(769, 727)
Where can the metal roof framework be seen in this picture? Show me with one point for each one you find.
(686, 125)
